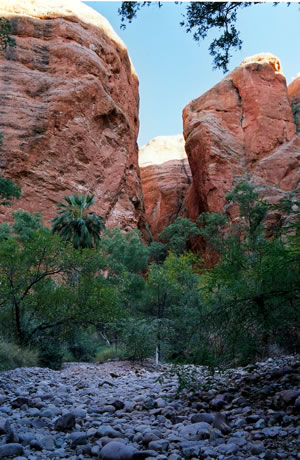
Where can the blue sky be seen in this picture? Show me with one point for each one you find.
(173, 69)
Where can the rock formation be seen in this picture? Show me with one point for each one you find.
(243, 128)
(294, 97)
(69, 111)
(166, 176)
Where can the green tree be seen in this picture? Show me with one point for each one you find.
(252, 292)
(200, 19)
(176, 236)
(25, 224)
(8, 190)
(76, 223)
(22, 268)
(170, 301)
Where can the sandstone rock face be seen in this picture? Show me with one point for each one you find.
(69, 111)
(243, 128)
(294, 97)
(166, 177)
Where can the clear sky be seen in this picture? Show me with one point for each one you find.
(173, 69)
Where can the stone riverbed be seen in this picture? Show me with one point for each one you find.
(119, 411)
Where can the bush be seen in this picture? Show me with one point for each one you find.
(83, 347)
(138, 338)
(107, 353)
(50, 354)
(13, 356)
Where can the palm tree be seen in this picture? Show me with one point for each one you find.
(76, 224)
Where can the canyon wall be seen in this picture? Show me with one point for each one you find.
(69, 111)
(244, 128)
(166, 176)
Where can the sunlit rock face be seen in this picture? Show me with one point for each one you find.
(166, 177)
(242, 129)
(69, 111)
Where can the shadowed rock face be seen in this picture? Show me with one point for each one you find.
(243, 128)
(166, 177)
(69, 111)
(294, 98)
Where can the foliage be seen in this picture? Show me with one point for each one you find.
(252, 292)
(125, 251)
(76, 223)
(137, 337)
(187, 378)
(26, 224)
(56, 298)
(50, 353)
(13, 356)
(106, 353)
(177, 235)
(158, 252)
(126, 259)
(8, 191)
(24, 268)
(5, 30)
(4, 231)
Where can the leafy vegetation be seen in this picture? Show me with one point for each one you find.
(120, 297)
(5, 38)
(13, 356)
(76, 223)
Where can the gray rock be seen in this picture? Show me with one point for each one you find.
(118, 405)
(228, 449)
(159, 446)
(191, 448)
(289, 396)
(221, 424)
(148, 437)
(117, 451)
(20, 401)
(203, 417)
(65, 422)
(196, 431)
(4, 426)
(78, 438)
(11, 450)
(107, 430)
(144, 454)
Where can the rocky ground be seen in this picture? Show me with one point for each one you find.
(118, 411)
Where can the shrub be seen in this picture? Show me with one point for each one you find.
(50, 354)
(13, 356)
(106, 353)
(83, 347)
(138, 336)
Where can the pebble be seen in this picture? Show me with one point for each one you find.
(119, 411)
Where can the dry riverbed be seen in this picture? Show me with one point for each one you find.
(119, 411)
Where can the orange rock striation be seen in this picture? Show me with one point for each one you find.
(166, 176)
(69, 111)
(243, 129)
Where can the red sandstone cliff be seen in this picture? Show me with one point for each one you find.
(294, 98)
(243, 129)
(166, 176)
(69, 111)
